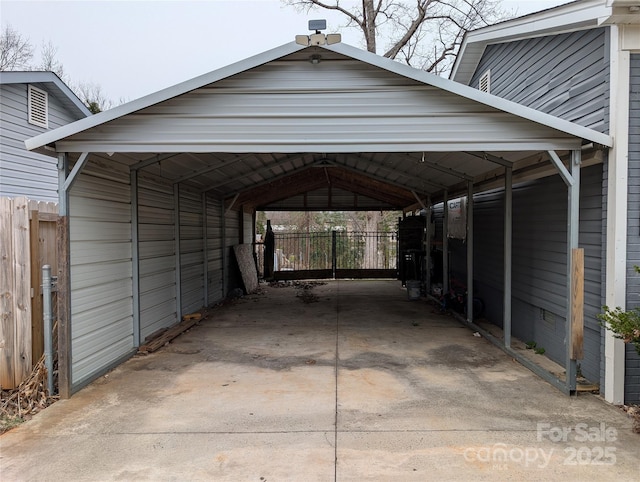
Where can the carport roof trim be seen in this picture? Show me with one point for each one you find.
(384, 63)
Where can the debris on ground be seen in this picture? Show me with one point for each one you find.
(305, 288)
(31, 396)
(235, 293)
(163, 337)
(633, 411)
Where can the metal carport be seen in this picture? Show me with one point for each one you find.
(154, 193)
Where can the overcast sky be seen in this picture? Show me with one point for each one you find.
(133, 48)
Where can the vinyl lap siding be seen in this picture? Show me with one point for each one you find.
(24, 173)
(539, 262)
(563, 75)
(101, 271)
(632, 368)
(156, 236)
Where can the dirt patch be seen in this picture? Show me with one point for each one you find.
(458, 356)
(304, 289)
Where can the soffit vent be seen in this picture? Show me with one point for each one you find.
(38, 107)
(485, 82)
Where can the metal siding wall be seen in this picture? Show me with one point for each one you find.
(248, 236)
(24, 173)
(192, 250)
(157, 254)
(334, 104)
(214, 249)
(564, 75)
(101, 270)
(632, 365)
(539, 261)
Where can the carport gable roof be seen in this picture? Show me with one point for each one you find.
(437, 114)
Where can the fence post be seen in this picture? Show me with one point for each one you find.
(334, 254)
(48, 332)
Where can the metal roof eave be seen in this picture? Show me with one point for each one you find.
(474, 94)
(456, 88)
(160, 96)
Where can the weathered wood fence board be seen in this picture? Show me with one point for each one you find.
(27, 242)
(43, 234)
(7, 325)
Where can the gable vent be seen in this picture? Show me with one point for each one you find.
(485, 82)
(38, 107)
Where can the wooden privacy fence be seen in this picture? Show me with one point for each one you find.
(27, 242)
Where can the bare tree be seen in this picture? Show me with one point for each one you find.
(16, 51)
(93, 97)
(425, 34)
(49, 61)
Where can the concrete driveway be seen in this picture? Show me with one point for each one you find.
(350, 382)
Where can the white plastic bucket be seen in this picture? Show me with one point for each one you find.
(413, 289)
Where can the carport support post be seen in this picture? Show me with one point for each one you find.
(573, 233)
(135, 257)
(64, 285)
(205, 254)
(508, 234)
(427, 247)
(470, 251)
(445, 245)
(176, 211)
(223, 223)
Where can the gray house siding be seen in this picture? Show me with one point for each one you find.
(632, 368)
(24, 173)
(563, 75)
(539, 262)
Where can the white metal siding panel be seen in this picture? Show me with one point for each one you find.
(563, 75)
(632, 365)
(24, 173)
(156, 236)
(335, 106)
(214, 250)
(192, 250)
(101, 270)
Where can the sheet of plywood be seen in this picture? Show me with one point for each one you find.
(247, 265)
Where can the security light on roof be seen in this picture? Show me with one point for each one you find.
(317, 25)
(318, 38)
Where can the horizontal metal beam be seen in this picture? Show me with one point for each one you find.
(151, 161)
(259, 171)
(491, 158)
(438, 167)
(388, 170)
(209, 169)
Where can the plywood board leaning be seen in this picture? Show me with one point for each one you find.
(247, 265)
